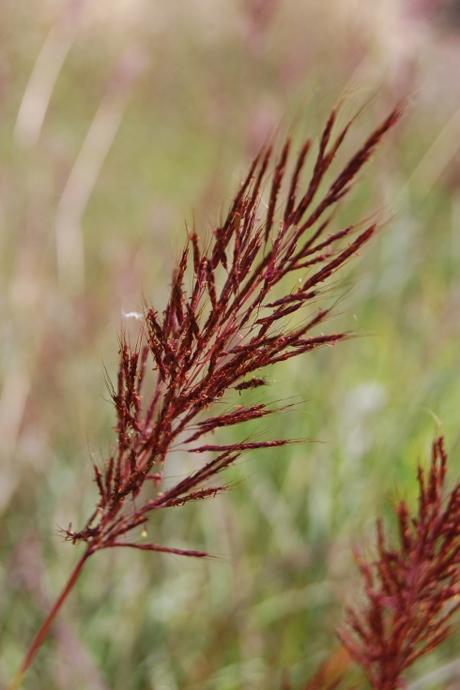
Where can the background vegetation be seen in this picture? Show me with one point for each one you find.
(119, 121)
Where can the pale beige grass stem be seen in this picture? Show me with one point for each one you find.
(45, 73)
(87, 168)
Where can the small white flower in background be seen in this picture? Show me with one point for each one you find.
(132, 315)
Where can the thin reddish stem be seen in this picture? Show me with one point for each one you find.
(47, 623)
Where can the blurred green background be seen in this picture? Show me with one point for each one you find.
(120, 122)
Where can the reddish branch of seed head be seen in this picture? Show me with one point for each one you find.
(411, 590)
(230, 314)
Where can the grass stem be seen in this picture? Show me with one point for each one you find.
(47, 623)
